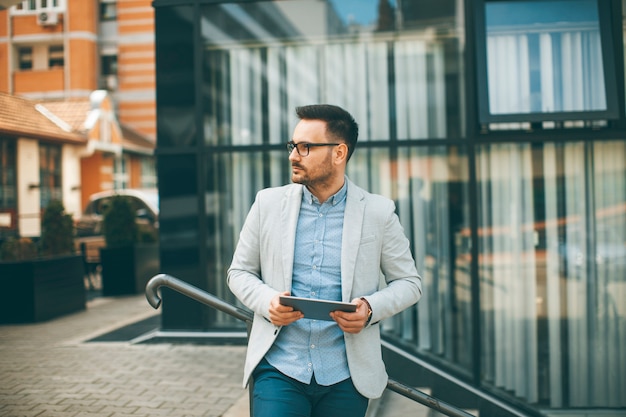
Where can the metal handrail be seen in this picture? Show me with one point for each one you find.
(164, 280)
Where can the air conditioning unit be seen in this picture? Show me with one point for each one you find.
(47, 18)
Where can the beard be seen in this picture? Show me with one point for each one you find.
(319, 175)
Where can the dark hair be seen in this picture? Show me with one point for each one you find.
(339, 123)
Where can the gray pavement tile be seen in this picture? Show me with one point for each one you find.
(49, 369)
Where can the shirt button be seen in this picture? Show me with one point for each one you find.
(321, 215)
(312, 346)
(314, 267)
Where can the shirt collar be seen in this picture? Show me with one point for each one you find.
(335, 199)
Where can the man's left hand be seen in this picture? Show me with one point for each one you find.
(352, 322)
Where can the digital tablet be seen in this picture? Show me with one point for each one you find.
(316, 309)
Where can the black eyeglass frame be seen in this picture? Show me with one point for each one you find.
(291, 145)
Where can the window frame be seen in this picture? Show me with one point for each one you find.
(609, 57)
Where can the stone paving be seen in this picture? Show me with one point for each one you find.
(49, 369)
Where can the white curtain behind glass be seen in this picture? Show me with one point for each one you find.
(508, 269)
(354, 75)
(585, 273)
(419, 114)
(608, 355)
(570, 64)
(350, 74)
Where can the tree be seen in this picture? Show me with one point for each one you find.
(120, 228)
(57, 230)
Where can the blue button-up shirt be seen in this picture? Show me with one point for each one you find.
(307, 346)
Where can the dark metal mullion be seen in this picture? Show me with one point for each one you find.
(590, 264)
(209, 316)
(474, 77)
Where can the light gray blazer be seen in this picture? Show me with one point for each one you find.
(373, 242)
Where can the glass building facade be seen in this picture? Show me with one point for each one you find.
(497, 127)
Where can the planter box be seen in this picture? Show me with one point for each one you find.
(127, 270)
(41, 289)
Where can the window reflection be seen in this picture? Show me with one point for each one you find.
(552, 270)
(544, 56)
(280, 55)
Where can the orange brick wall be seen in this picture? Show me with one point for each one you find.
(95, 171)
(4, 52)
(83, 52)
(83, 16)
(4, 30)
(135, 172)
(82, 55)
(27, 25)
(36, 81)
(4, 67)
(136, 66)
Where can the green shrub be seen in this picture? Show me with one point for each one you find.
(57, 230)
(119, 226)
(14, 249)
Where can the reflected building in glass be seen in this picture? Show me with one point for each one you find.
(499, 133)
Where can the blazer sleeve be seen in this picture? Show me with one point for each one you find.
(244, 274)
(403, 285)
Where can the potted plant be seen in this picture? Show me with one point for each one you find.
(45, 280)
(128, 263)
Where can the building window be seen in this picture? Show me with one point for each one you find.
(545, 61)
(121, 176)
(108, 64)
(108, 71)
(25, 58)
(40, 57)
(8, 186)
(55, 56)
(49, 173)
(8, 183)
(108, 11)
(148, 173)
(32, 6)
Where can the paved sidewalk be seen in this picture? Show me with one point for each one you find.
(48, 369)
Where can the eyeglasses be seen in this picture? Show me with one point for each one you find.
(303, 147)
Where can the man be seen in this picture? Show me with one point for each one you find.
(324, 238)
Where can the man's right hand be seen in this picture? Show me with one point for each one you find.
(281, 315)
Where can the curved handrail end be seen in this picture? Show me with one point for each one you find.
(152, 294)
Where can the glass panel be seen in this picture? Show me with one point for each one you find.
(8, 178)
(178, 220)
(263, 59)
(49, 174)
(25, 58)
(56, 58)
(108, 11)
(430, 189)
(233, 179)
(429, 186)
(552, 271)
(544, 57)
(175, 77)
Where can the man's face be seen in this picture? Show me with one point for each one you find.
(316, 168)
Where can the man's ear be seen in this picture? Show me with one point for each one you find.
(341, 152)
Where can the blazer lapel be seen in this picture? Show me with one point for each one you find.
(351, 238)
(290, 209)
